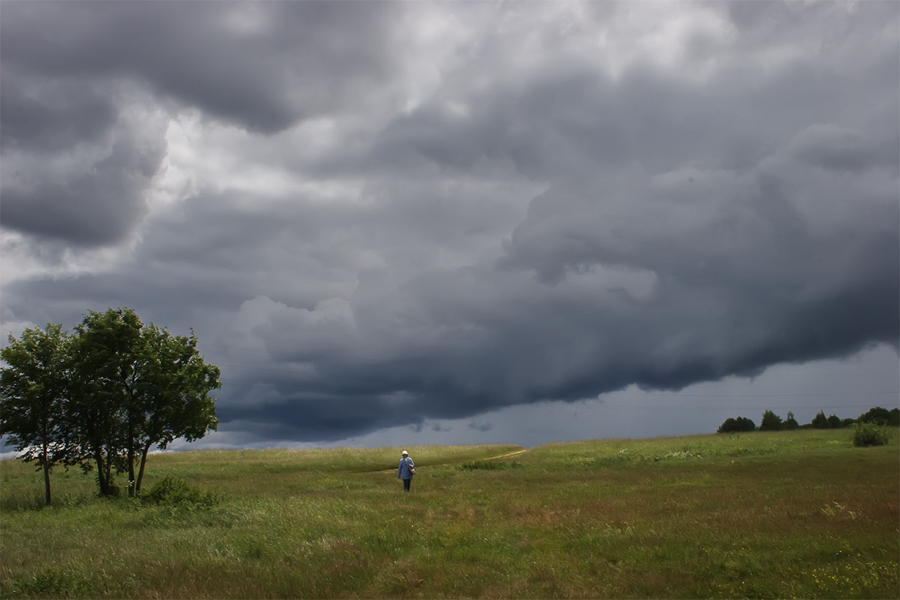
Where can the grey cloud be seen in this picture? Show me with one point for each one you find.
(97, 203)
(835, 148)
(57, 114)
(480, 426)
(536, 226)
(261, 66)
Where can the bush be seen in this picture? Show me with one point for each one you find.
(491, 465)
(869, 434)
(172, 491)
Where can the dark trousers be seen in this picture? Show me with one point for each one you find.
(406, 483)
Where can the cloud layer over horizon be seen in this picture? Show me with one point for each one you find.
(380, 213)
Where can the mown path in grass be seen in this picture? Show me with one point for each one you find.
(456, 460)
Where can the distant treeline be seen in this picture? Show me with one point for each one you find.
(772, 422)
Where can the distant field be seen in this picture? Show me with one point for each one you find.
(800, 514)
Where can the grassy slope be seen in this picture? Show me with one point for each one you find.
(788, 514)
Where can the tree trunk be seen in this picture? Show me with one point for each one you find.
(46, 465)
(101, 475)
(131, 479)
(109, 467)
(141, 470)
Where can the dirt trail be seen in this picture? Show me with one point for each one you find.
(516, 453)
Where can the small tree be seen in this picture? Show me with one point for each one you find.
(820, 421)
(770, 422)
(791, 423)
(34, 390)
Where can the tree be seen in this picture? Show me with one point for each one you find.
(103, 397)
(820, 421)
(147, 386)
(168, 396)
(877, 415)
(770, 422)
(35, 390)
(734, 425)
(791, 423)
(104, 360)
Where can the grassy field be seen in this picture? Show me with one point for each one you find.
(799, 514)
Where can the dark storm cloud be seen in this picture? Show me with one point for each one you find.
(71, 69)
(383, 214)
(97, 204)
(260, 66)
(54, 114)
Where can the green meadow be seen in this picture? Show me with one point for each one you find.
(801, 514)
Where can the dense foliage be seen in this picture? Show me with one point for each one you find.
(103, 396)
(738, 424)
(869, 434)
(771, 422)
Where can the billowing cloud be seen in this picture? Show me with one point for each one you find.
(381, 214)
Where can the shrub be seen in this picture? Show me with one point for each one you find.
(492, 465)
(172, 491)
(869, 434)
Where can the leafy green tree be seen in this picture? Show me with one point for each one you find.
(169, 396)
(34, 388)
(145, 386)
(103, 397)
(877, 415)
(834, 422)
(770, 422)
(105, 370)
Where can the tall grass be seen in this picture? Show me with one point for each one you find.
(787, 514)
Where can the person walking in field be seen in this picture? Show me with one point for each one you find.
(406, 470)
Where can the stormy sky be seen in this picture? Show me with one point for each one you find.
(394, 223)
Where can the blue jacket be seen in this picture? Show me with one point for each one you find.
(403, 470)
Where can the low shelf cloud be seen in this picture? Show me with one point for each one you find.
(447, 220)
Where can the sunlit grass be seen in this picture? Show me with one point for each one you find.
(789, 514)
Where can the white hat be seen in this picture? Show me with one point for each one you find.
(405, 453)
